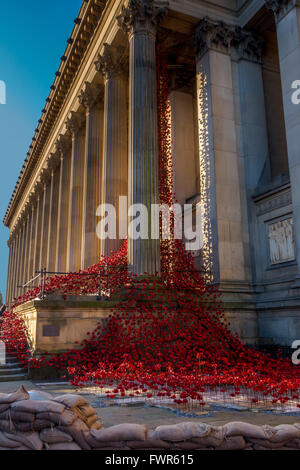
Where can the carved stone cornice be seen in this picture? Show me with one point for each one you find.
(280, 7)
(211, 34)
(89, 95)
(112, 62)
(73, 123)
(140, 16)
(89, 18)
(248, 45)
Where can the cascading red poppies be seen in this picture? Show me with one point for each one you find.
(167, 336)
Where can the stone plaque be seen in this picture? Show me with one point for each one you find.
(51, 331)
(281, 241)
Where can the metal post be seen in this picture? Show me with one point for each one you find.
(100, 290)
(43, 271)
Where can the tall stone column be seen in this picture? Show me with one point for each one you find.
(10, 245)
(45, 178)
(251, 125)
(140, 19)
(39, 191)
(53, 211)
(30, 240)
(115, 149)
(220, 178)
(63, 148)
(16, 263)
(76, 193)
(22, 253)
(91, 98)
(287, 16)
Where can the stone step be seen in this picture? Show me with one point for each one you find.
(12, 371)
(13, 378)
(9, 364)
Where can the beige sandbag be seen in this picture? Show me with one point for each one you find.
(35, 406)
(285, 432)
(182, 431)
(121, 432)
(185, 445)
(76, 431)
(71, 401)
(92, 420)
(64, 419)
(20, 395)
(64, 446)
(54, 436)
(266, 443)
(208, 442)
(6, 442)
(148, 444)
(295, 444)
(97, 425)
(7, 425)
(4, 408)
(87, 410)
(31, 440)
(233, 443)
(21, 416)
(238, 428)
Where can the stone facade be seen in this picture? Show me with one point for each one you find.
(235, 140)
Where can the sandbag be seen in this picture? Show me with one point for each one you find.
(54, 436)
(97, 425)
(4, 408)
(21, 416)
(233, 443)
(76, 431)
(6, 442)
(87, 410)
(30, 440)
(20, 395)
(208, 442)
(64, 419)
(64, 446)
(35, 406)
(266, 443)
(238, 428)
(71, 401)
(182, 431)
(285, 432)
(121, 432)
(148, 444)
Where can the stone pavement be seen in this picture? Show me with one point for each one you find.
(149, 415)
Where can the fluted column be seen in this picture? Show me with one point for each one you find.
(76, 193)
(139, 20)
(30, 243)
(16, 263)
(115, 146)
(91, 98)
(26, 244)
(10, 245)
(53, 211)
(39, 190)
(21, 254)
(45, 219)
(63, 148)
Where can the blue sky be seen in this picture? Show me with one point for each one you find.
(33, 37)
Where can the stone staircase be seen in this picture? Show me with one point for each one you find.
(12, 371)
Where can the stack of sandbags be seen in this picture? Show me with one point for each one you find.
(36, 421)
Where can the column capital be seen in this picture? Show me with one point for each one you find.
(247, 45)
(62, 145)
(53, 162)
(73, 123)
(45, 177)
(89, 95)
(280, 8)
(38, 189)
(211, 34)
(111, 63)
(142, 16)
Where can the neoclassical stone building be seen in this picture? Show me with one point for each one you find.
(235, 138)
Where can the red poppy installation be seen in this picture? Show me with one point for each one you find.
(167, 337)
